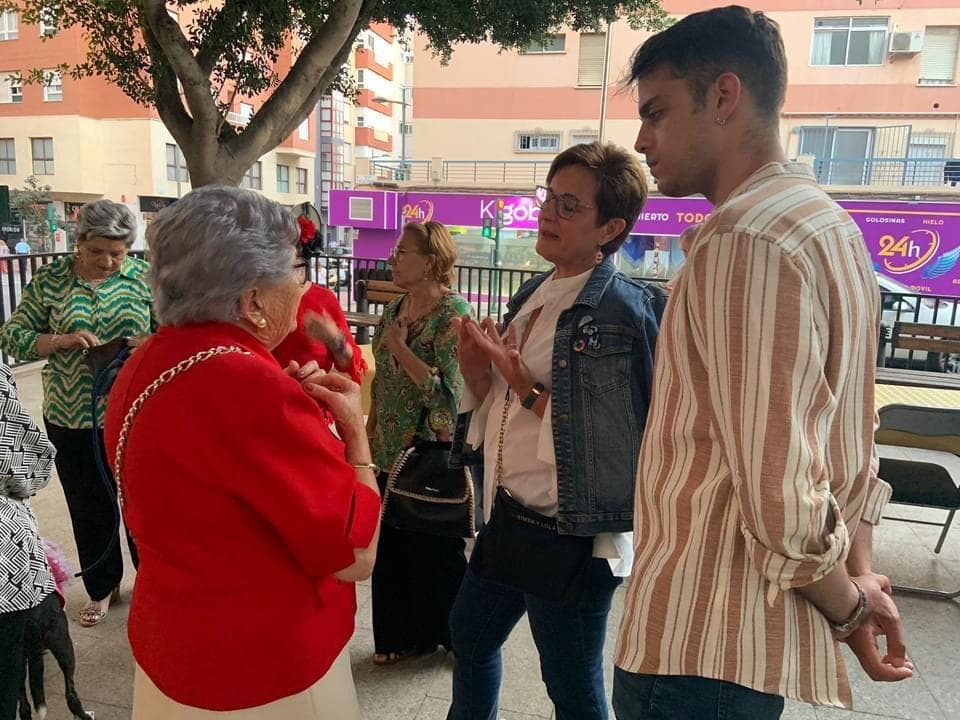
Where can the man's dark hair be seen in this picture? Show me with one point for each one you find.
(621, 184)
(702, 46)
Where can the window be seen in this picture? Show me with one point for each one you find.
(176, 164)
(253, 178)
(927, 153)
(11, 89)
(9, 25)
(48, 22)
(543, 143)
(849, 41)
(840, 153)
(8, 157)
(303, 131)
(302, 181)
(361, 208)
(246, 113)
(359, 79)
(553, 44)
(360, 120)
(582, 138)
(406, 128)
(938, 61)
(283, 178)
(42, 155)
(590, 68)
(52, 86)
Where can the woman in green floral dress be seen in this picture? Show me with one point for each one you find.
(417, 576)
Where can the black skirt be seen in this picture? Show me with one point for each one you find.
(415, 581)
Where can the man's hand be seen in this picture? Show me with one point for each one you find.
(884, 619)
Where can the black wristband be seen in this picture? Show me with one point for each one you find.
(531, 399)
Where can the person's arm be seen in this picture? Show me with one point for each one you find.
(27, 336)
(26, 455)
(753, 321)
(305, 485)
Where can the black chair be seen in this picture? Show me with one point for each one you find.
(931, 478)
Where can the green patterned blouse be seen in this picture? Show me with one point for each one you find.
(399, 401)
(57, 300)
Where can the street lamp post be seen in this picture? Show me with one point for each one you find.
(402, 102)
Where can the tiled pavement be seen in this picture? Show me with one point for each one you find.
(420, 689)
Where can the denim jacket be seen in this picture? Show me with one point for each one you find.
(602, 375)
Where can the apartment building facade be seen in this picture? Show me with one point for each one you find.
(87, 140)
(872, 96)
(872, 105)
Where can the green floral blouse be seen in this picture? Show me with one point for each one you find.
(399, 402)
(57, 300)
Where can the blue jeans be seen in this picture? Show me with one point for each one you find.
(569, 641)
(684, 697)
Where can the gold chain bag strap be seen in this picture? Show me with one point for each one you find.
(151, 389)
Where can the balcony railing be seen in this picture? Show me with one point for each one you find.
(889, 171)
(416, 171)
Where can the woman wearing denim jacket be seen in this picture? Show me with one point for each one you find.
(559, 397)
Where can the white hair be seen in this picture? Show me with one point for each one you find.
(211, 246)
(106, 219)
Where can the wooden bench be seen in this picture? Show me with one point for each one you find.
(918, 378)
(375, 292)
(935, 340)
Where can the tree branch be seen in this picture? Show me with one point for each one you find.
(210, 50)
(167, 94)
(318, 63)
(176, 49)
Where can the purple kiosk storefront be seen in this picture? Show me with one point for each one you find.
(916, 245)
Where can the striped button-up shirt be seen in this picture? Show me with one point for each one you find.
(757, 463)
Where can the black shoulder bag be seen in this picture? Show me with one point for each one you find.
(423, 493)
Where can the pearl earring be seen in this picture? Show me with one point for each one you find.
(262, 322)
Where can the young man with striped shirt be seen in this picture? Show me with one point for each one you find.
(756, 489)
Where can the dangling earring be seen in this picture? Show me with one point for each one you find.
(262, 323)
(599, 256)
(721, 121)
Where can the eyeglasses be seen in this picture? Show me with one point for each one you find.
(300, 269)
(568, 204)
(399, 252)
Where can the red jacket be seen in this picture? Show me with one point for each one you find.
(242, 506)
(301, 347)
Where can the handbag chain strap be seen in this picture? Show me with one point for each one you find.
(151, 389)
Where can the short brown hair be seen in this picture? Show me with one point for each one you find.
(433, 239)
(621, 184)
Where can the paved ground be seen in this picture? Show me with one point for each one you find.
(420, 689)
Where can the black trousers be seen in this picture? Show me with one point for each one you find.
(93, 508)
(12, 627)
(415, 581)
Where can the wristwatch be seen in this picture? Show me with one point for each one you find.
(531, 399)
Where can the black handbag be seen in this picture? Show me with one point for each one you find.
(524, 550)
(424, 494)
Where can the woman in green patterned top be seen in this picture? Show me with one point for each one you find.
(416, 577)
(73, 303)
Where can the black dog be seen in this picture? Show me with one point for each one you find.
(47, 630)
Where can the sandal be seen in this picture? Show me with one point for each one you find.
(93, 612)
(407, 654)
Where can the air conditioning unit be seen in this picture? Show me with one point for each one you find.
(906, 42)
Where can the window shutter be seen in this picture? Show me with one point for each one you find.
(590, 69)
(938, 61)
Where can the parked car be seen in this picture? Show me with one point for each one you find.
(902, 304)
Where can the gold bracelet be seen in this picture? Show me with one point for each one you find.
(367, 466)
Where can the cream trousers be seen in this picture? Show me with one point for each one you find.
(332, 697)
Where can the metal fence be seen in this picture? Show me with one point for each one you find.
(488, 289)
(892, 171)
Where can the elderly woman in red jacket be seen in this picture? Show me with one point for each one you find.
(253, 519)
